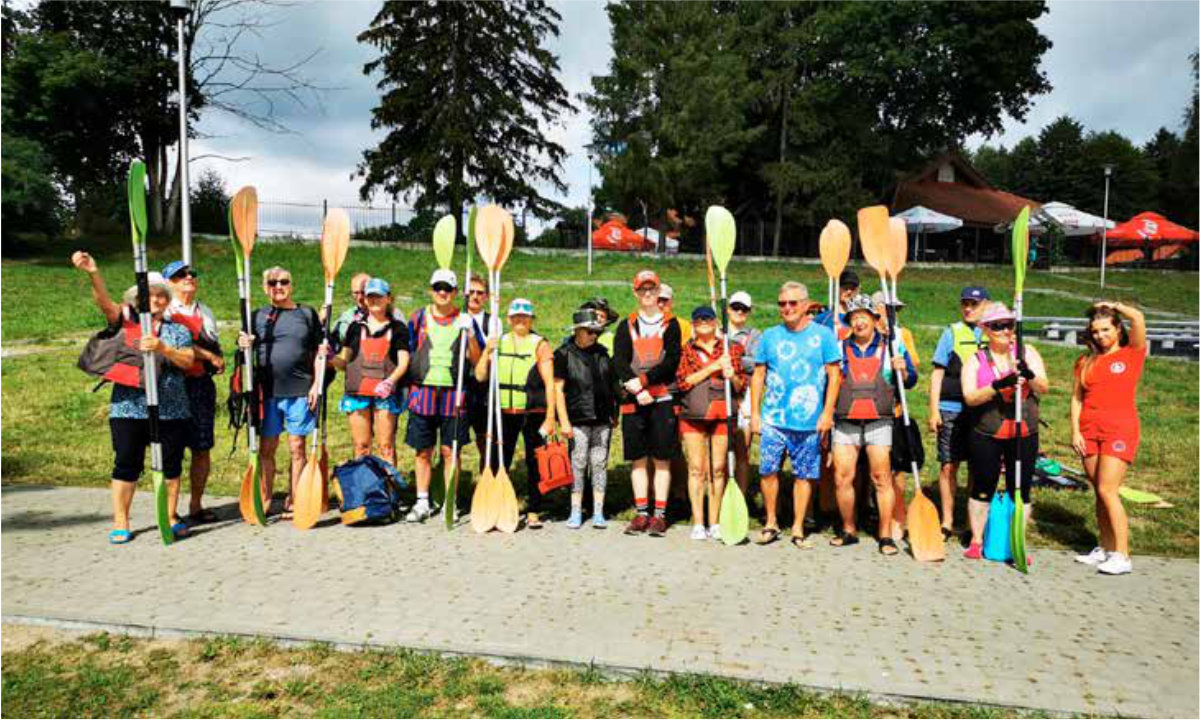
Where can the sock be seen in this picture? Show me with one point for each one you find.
(660, 508)
(642, 505)
(422, 499)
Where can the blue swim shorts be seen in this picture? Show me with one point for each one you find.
(802, 446)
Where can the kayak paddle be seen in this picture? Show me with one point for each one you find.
(835, 253)
(243, 230)
(734, 517)
(335, 242)
(485, 510)
(1020, 256)
(137, 224)
(508, 515)
(444, 235)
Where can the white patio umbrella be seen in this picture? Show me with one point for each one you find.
(1073, 221)
(921, 220)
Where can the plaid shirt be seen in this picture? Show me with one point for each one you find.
(695, 359)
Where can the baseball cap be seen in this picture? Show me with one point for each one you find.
(173, 268)
(975, 292)
(442, 275)
(703, 312)
(741, 296)
(848, 278)
(377, 286)
(666, 291)
(645, 277)
(520, 306)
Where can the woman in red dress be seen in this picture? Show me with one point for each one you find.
(1104, 422)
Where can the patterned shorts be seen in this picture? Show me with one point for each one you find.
(802, 446)
(202, 400)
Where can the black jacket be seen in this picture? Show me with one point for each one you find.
(591, 383)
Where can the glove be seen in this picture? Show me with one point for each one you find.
(633, 385)
(1005, 382)
(644, 398)
(385, 389)
(1024, 371)
(463, 322)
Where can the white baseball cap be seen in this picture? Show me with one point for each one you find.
(665, 291)
(741, 296)
(442, 275)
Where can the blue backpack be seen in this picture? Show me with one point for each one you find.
(370, 490)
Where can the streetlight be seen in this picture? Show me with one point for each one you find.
(590, 210)
(181, 9)
(1104, 228)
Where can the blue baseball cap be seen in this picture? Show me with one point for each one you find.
(703, 312)
(174, 268)
(377, 286)
(976, 293)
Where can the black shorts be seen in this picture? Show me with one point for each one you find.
(650, 431)
(130, 438)
(202, 399)
(953, 438)
(423, 431)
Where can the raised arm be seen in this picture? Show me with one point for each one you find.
(86, 263)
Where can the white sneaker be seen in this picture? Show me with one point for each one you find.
(1094, 558)
(1116, 564)
(698, 533)
(714, 532)
(419, 513)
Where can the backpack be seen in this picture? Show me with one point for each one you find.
(370, 490)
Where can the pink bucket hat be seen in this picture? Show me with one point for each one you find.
(996, 312)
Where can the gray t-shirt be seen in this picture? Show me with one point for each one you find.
(285, 346)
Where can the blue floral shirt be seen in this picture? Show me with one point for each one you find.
(130, 403)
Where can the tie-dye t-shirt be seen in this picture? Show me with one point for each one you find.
(795, 391)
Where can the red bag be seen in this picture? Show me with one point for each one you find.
(554, 465)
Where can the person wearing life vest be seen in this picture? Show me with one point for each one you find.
(740, 332)
(128, 418)
(948, 418)
(703, 371)
(990, 380)
(1104, 422)
(288, 343)
(526, 376)
(646, 353)
(200, 322)
(586, 393)
(792, 398)
(435, 410)
(374, 357)
(476, 399)
(866, 407)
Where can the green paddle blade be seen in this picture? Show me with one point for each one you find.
(443, 241)
(137, 200)
(162, 516)
(1017, 535)
(734, 518)
(1138, 496)
(722, 233)
(1020, 248)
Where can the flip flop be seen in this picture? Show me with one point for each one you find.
(180, 530)
(803, 543)
(887, 546)
(204, 517)
(119, 537)
(843, 539)
(767, 536)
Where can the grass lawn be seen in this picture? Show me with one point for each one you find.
(55, 429)
(57, 675)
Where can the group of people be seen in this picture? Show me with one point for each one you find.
(821, 388)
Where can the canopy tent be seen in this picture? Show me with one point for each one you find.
(652, 237)
(1149, 228)
(616, 235)
(920, 220)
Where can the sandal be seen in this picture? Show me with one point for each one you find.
(947, 533)
(887, 546)
(286, 515)
(119, 537)
(768, 536)
(533, 522)
(204, 517)
(843, 539)
(803, 543)
(180, 529)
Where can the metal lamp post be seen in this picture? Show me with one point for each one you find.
(589, 219)
(181, 9)
(1104, 228)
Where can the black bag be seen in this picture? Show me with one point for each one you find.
(906, 445)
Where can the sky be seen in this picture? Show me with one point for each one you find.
(1114, 66)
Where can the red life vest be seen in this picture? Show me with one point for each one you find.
(195, 326)
(113, 353)
(372, 364)
(706, 401)
(648, 353)
(865, 393)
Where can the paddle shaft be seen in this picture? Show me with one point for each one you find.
(318, 437)
(149, 369)
(495, 369)
(1019, 423)
(458, 383)
(730, 475)
(893, 328)
(248, 355)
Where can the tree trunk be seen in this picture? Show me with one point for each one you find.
(783, 118)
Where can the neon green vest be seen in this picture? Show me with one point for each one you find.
(517, 359)
(441, 340)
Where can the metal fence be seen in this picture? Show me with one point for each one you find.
(301, 220)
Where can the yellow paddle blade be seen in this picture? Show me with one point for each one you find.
(924, 530)
(873, 235)
(721, 229)
(335, 242)
(489, 234)
(307, 508)
(483, 514)
(244, 210)
(835, 247)
(443, 241)
(508, 514)
(897, 246)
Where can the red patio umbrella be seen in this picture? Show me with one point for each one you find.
(1149, 228)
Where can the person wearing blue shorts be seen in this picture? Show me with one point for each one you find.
(793, 395)
(287, 343)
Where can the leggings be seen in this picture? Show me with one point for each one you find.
(589, 452)
(986, 455)
(526, 425)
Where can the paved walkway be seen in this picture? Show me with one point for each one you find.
(1061, 638)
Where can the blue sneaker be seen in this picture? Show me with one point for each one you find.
(598, 521)
(575, 521)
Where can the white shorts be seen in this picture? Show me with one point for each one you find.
(860, 433)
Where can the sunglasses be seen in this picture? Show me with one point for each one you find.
(663, 301)
(481, 293)
(281, 282)
(591, 331)
(185, 274)
(1002, 326)
(789, 303)
(443, 287)
(739, 307)
(969, 303)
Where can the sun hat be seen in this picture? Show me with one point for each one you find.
(520, 306)
(645, 277)
(444, 275)
(377, 286)
(997, 312)
(743, 297)
(703, 312)
(156, 283)
(588, 319)
(976, 293)
(860, 302)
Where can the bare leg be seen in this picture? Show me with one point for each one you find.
(198, 479)
(770, 491)
(1111, 474)
(173, 499)
(122, 499)
(1091, 466)
(880, 460)
(299, 459)
(716, 488)
(662, 479)
(801, 492)
(423, 469)
(947, 484)
(360, 432)
(639, 477)
(741, 455)
(695, 446)
(384, 429)
(845, 463)
(266, 459)
(977, 511)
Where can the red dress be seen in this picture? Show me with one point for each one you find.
(1109, 418)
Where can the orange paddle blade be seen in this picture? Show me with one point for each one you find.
(835, 247)
(874, 235)
(509, 238)
(924, 530)
(897, 246)
(489, 234)
(308, 508)
(335, 242)
(244, 210)
(483, 511)
(246, 496)
(508, 514)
